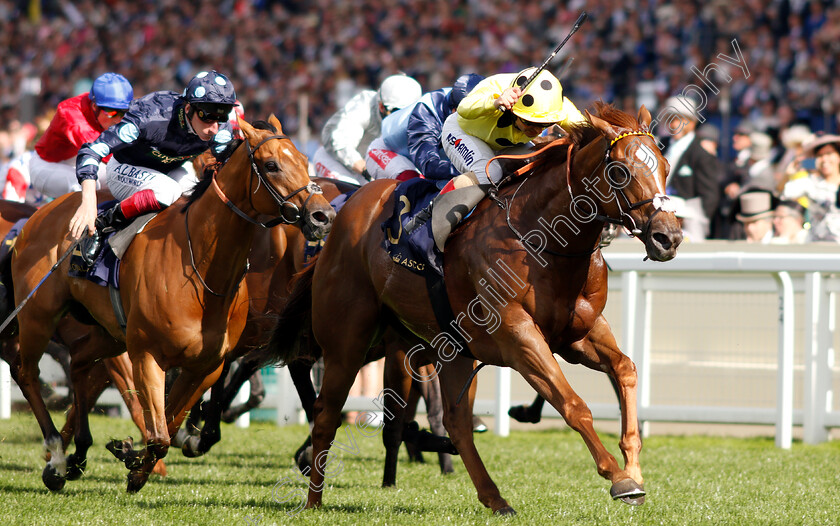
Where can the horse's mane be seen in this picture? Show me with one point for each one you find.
(583, 133)
(204, 184)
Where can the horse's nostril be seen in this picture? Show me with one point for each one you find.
(321, 218)
(662, 240)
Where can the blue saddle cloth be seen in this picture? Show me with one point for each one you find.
(105, 269)
(313, 247)
(416, 251)
(11, 237)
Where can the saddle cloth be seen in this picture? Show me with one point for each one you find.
(416, 251)
(105, 270)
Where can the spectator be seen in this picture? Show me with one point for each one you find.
(694, 171)
(789, 224)
(709, 136)
(790, 165)
(760, 164)
(820, 187)
(754, 210)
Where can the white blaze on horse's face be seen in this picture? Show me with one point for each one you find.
(288, 153)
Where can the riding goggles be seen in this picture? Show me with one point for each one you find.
(211, 113)
(112, 113)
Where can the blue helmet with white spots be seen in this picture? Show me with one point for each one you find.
(210, 87)
(111, 90)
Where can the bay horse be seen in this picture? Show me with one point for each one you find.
(520, 297)
(181, 289)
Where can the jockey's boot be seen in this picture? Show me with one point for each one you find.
(107, 221)
(443, 200)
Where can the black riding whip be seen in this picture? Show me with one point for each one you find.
(22, 303)
(577, 25)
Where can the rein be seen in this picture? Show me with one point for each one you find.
(624, 218)
(281, 200)
(195, 269)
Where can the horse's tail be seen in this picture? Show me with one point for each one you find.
(293, 333)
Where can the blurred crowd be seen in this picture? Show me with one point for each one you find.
(302, 60)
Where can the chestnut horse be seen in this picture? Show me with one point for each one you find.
(521, 297)
(181, 289)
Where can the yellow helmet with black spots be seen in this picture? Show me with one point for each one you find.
(542, 100)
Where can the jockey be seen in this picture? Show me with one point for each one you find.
(410, 141)
(348, 133)
(497, 117)
(77, 120)
(157, 135)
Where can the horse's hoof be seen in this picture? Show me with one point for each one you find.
(628, 490)
(522, 413)
(52, 480)
(304, 460)
(507, 510)
(179, 438)
(136, 481)
(191, 447)
(75, 467)
(638, 501)
(120, 448)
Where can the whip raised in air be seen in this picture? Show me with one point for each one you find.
(577, 25)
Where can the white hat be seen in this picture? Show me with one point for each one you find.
(682, 106)
(398, 91)
(796, 135)
(761, 146)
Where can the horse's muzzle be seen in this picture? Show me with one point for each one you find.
(317, 223)
(661, 244)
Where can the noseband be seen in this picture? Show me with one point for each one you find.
(624, 218)
(295, 214)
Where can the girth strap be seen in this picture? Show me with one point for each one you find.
(116, 304)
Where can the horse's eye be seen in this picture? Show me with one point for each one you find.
(271, 166)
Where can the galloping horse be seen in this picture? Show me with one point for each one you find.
(181, 290)
(521, 297)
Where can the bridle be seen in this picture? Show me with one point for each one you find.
(290, 214)
(294, 215)
(659, 200)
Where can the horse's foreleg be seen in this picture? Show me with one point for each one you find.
(301, 373)
(340, 371)
(186, 391)
(150, 380)
(211, 432)
(122, 376)
(91, 380)
(537, 365)
(458, 421)
(600, 352)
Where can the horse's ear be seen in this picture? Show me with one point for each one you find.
(603, 126)
(274, 121)
(644, 117)
(247, 129)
